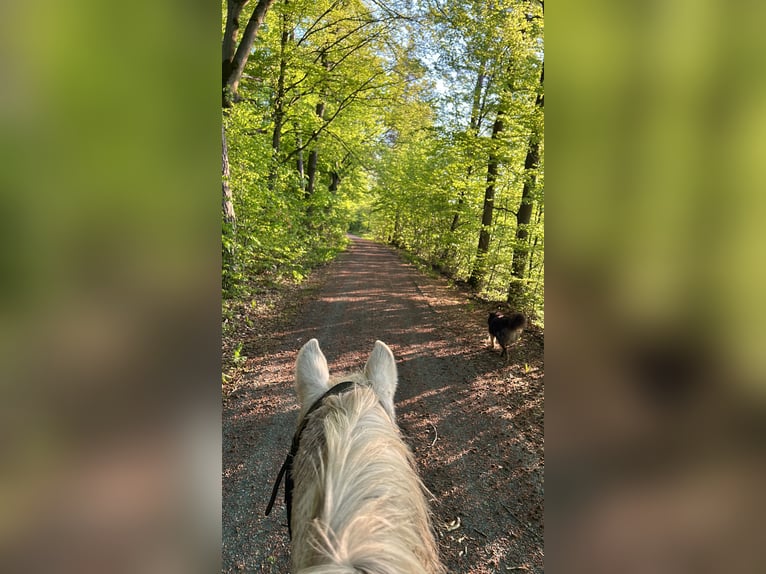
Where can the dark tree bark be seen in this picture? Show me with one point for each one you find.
(524, 213)
(237, 66)
(301, 174)
(334, 181)
(311, 171)
(313, 154)
(279, 97)
(476, 280)
(230, 34)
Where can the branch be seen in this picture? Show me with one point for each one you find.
(362, 44)
(394, 13)
(504, 209)
(326, 49)
(348, 100)
(319, 19)
(349, 152)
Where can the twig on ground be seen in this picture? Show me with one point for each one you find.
(436, 435)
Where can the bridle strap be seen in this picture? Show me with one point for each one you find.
(276, 485)
(287, 466)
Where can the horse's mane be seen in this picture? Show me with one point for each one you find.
(359, 505)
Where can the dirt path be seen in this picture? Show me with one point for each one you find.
(474, 423)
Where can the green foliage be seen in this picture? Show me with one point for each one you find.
(237, 357)
(398, 113)
(432, 172)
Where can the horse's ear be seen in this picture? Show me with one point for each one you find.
(380, 370)
(312, 377)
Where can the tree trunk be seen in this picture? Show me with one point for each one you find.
(228, 238)
(397, 239)
(334, 181)
(449, 253)
(228, 200)
(476, 280)
(476, 107)
(524, 213)
(237, 67)
(233, 12)
(301, 174)
(279, 97)
(538, 216)
(311, 173)
(278, 114)
(473, 129)
(312, 167)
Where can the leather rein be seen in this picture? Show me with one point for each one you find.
(287, 467)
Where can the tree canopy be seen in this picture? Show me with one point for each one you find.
(417, 123)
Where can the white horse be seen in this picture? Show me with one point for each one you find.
(358, 505)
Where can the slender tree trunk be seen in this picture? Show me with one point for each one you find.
(237, 67)
(478, 89)
(228, 200)
(397, 239)
(228, 248)
(473, 129)
(449, 253)
(538, 216)
(279, 97)
(311, 173)
(313, 156)
(301, 174)
(476, 280)
(334, 181)
(278, 114)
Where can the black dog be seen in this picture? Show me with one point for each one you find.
(505, 329)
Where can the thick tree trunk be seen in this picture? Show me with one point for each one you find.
(233, 12)
(523, 217)
(524, 213)
(237, 67)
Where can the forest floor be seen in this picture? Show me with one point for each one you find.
(474, 422)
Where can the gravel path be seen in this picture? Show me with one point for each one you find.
(474, 423)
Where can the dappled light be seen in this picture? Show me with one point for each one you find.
(473, 421)
(383, 178)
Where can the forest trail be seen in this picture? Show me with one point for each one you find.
(474, 422)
